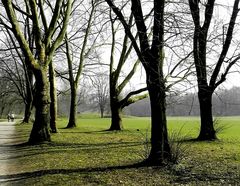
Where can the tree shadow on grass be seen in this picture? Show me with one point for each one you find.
(26, 175)
(26, 150)
(104, 131)
(191, 140)
(181, 177)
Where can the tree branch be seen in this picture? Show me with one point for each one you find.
(226, 44)
(126, 101)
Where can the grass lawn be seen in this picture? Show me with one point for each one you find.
(89, 155)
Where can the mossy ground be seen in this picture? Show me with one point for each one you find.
(90, 155)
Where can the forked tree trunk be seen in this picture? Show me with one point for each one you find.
(207, 131)
(73, 108)
(40, 130)
(160, 151)
(53, 96)
(116, 118)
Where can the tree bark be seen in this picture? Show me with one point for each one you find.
(116, 118)
(40, 130)
(73, 107)
(28, 111)
(207, 131)
(160, 151)
(29, 95)
(53, 96)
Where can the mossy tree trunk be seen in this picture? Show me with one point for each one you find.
(40, 131)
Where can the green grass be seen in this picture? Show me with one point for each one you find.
(89, 155)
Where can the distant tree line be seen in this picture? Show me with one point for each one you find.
(225, 103)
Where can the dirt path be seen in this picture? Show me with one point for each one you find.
(8, 138)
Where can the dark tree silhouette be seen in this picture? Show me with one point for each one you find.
(152, 58)
(205, 88)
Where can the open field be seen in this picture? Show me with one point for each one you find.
(89, 155)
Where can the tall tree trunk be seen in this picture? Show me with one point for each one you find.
(116, 110)
(73, 107)
(116, 118)
(40, 130)
(28, 111)
(29, 96)
(160, 151)
(53, 96)
(207, 131)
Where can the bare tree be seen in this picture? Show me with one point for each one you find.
(101, 91)
(117, 82)
(79, 43)
(8, 95)
(46, 41)
(152, 58)
(200, 41)
(20, 74)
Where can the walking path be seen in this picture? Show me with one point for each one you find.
(8, 138)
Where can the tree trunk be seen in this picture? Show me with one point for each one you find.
(53, 96)
(73, 108)
(116, 118)
(207, 131)
(2, 109)
(102, 109)
(102, 112)
(116, 111)
(160, 151)
(29, 96)
(28, 111)
(40, 131)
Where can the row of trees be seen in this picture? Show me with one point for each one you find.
(157, 35)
